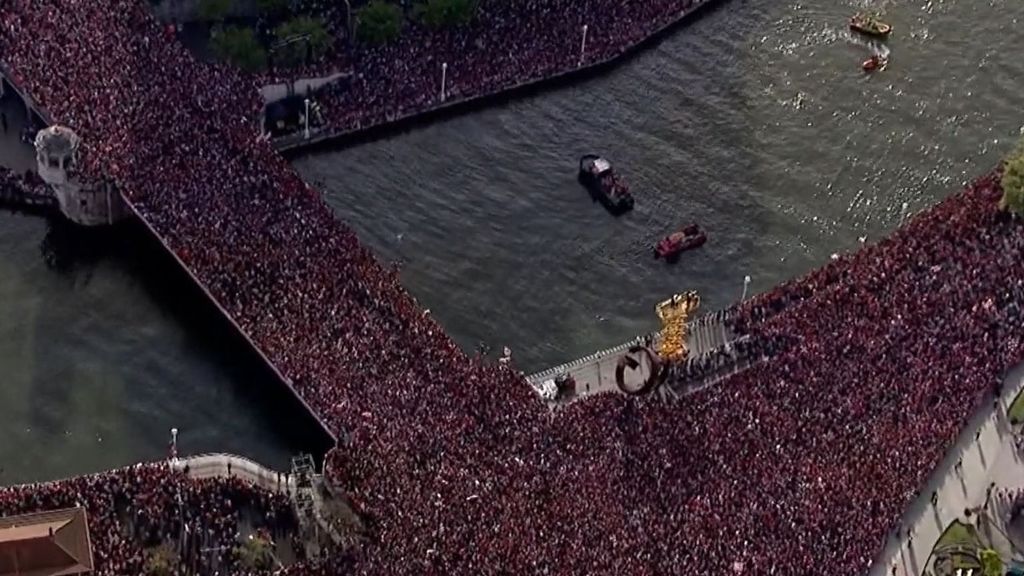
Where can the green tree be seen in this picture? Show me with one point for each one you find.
(240, 47)
(160, 561)
(1013, 180)
(299, 32)
(438, 13)
(274, 8)
(378, 22)
(255, 554)
(991, 563)
(214, 10)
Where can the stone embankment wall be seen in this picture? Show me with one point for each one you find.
(221, 465)
(298, 141)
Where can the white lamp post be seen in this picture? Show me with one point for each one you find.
(307, 119)
(583, 44)
(444, 79)
(174, 444)
(746, 283)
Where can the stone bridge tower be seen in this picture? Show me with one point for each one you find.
(85, 203)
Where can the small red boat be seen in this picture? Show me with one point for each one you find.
(876, 62)
(676, 243)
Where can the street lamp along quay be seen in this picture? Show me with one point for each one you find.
(583, 46)
(444, 79)
(306, 119)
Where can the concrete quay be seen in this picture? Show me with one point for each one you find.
(595, 373)
(296, 142)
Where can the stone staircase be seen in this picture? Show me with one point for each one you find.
(308, 502)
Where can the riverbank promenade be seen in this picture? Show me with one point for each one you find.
(406, 81)
(804, 462)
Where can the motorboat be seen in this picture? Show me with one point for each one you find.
(875, 63)
(597, 175)
(870, 25)
(671, 246)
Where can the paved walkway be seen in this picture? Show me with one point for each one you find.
(596, 372)
(987, 454)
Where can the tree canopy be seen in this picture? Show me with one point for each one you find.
(214, 10)
(160, 561)
(273, 8)
(991, 563)
(255, 554)
(438, 13)
(379, 22)
(240, 47)
(300, 33)
(1013, 180)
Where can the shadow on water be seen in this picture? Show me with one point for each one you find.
(68, 249)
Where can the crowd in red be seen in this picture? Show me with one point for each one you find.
(506, 45)
(801, 463)
(137, 508)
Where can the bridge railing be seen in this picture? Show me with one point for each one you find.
(714, 317)
(222, 465)
(595, 357)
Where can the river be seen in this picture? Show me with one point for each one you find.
(755, 121)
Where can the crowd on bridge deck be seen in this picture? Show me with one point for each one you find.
(801, 462)
(507, 44)
(133, 510)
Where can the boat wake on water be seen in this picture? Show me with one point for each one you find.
(876, 47)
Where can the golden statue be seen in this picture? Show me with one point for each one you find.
(673, 314)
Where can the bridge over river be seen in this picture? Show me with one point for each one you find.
(224, 150)
(296, 284)
(765, 102)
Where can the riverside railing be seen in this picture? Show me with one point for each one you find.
(223, 465)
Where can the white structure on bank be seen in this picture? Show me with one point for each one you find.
(88, 204)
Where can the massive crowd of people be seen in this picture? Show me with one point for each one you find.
(507, 44)
(800, 464)
(134, 510)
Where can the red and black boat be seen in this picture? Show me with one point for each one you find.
(604, 185)
(671, 246)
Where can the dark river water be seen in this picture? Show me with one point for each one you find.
(755, 122)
